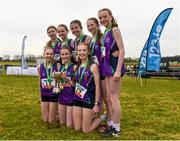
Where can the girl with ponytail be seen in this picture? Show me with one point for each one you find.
(113, 68)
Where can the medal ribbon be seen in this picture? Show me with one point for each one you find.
(65, 43)
(92, 44)
(53, 45)
(49, 74)
(105, 34)
(64, 68)
(80, 40)
(82, 74)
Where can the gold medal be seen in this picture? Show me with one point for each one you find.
(49, 86)
(61, 86)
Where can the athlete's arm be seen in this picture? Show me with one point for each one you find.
(95, 71)
(120, 45)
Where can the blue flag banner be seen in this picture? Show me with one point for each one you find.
(142, 62)
(151, 56)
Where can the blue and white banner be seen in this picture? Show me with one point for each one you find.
(142, 62)
(151, 56)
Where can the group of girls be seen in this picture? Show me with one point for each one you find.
(93, 67)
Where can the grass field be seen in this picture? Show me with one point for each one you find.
(148, 112)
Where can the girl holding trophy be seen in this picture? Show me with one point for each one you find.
(65, 99)
(48, 98)
(87, 92)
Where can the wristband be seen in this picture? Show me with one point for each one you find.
(97, 103)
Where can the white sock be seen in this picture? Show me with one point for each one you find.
(110, 122)
(116, 126)
(103, 117)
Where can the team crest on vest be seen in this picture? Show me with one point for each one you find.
(96, 47)
(107, 39)
(68, 74)
(43, 74)
(86, 73)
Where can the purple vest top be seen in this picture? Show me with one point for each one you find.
(88, 83)
(66, 95)
(43, 79)
(96, 49)
(69, 45)
(110, 62)
(70, 75)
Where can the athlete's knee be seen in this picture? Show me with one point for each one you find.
(77, 129)
(44, 119)
(106, 99)
(114, 100)
(69, 125)
(62, 122)
(52, 120)
(86, 130)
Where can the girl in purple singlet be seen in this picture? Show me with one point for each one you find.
(54, 42)
(65, 99)
(95, 46)
(76, 29)
(87, 92)
(48, 98)
(62, 31)
(113, 68)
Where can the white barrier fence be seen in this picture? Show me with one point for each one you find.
(18, 71)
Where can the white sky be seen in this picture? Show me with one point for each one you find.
(135, 18)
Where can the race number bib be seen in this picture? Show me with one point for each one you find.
(45, 83)
(57, 57)
(95, 60)
(80, 90)
(74, 54)
(103, 51)
(67, 79)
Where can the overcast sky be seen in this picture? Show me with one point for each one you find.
(135, 18)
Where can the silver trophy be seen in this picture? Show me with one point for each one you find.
(57, 77)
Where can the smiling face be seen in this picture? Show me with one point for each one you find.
(52, 33)
(65, 55)
(49, 55)
(92, 26)
(62, 32)
(105, 18)
(76, 29)
(83, 51)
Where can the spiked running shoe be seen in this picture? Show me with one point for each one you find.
(111, 132)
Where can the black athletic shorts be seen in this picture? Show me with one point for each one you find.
(45, 98)
(82, 104)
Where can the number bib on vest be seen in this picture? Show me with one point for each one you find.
(80, 90)
(46, 84)
(103, 51)
(95, 60)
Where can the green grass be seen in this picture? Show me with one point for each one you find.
(148, 112)
(15, 63)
